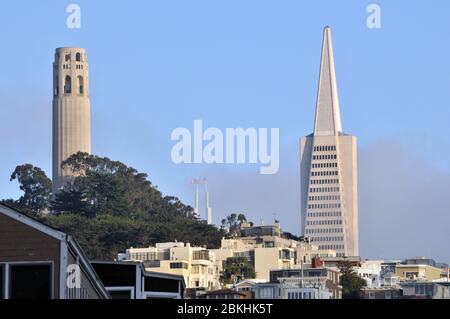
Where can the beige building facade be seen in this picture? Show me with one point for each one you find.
(329, 191)
(418, 272)
(195, 264)
(268, 252)
(71, 109)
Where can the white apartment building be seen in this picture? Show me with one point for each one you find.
(370, 271)
(195, 264)
(289, 291)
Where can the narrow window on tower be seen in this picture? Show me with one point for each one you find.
(56, 92)
(80, 85)
(68, 85)
(78, 57)
(67, 57)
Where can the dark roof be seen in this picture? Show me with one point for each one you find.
(30, 217)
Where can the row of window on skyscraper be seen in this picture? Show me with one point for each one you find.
(325, 214)
(323, 189)
(322, 206)
(324, 165)
(326, 197)
(324, 222)
(325, 157)
(325, 173)
(325, 148)
(324, 231)
(324, 181)
(333, 238)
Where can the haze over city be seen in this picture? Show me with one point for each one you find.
(253, 64)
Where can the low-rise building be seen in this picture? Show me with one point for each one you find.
(370, 271)
(267, 249)
(381, 293)
(424, 261)
(196, 264)
(40, 262)
(225, 294)
(333, 262)
(326, 278)
(417, 272)
(425, 290)
(390, 280)
(248, 286)
(275, 290)
(129, 280)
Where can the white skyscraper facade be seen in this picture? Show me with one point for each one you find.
(329, 190)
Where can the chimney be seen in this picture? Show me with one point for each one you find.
(316, 262)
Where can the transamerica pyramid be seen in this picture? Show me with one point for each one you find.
(329, 192)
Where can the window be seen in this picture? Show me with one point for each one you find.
(202, 254)
(67, 58)
(56, 85)
(120, 294)
(265, 292)
(68, 85)
(32, 281)
(178, 265)
(78, 57)
(161, 284)
(80, 85)
(195, 269)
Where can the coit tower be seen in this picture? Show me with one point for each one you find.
(329, 190)
(71, 109)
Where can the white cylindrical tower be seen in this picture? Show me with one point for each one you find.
(71, 109)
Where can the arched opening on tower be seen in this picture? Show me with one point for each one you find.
(80, 85)
(68, 85)
(78, 57)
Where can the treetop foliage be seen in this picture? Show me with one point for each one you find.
(109, 207)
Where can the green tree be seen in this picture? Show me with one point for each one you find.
(350, 281)
(109, 207)
(36, 187)
(237, 268)
(103, 186)
(232, 224)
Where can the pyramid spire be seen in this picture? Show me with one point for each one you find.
(328, 117)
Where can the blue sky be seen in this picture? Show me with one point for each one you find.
(159, 65)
